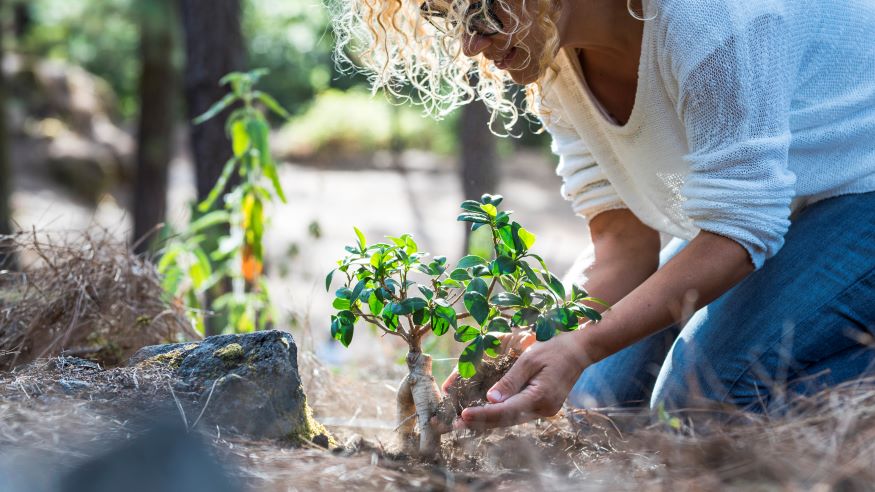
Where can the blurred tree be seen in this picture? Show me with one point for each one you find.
(5, 188)
(478, 161)
(214, 47)
(158, 89)
(23, 18)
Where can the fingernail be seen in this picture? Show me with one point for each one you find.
(494, 396)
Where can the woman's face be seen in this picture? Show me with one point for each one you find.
(517, 47)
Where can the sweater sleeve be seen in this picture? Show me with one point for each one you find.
(583, 182)
(733, 99)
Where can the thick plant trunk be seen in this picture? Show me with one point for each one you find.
(214, 47)
(419, 395)
(478, 162)
(157, 118)
(424, 411)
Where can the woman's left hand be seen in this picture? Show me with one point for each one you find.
(535, 386)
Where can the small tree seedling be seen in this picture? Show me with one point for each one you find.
(393, 286)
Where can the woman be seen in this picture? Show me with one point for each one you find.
(743, 128)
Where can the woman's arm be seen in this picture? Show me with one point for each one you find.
(626, 254)
(539, 382)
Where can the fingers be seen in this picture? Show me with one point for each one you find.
(515, 410)
(513, 381)
(449, 381)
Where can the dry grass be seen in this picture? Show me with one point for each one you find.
(822, 443)
(75, 294)
(80, 295)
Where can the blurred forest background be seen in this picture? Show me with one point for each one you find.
(98, 96)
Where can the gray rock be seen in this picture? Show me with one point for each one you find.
(248, 384)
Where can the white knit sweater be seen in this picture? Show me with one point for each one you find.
(745, 111)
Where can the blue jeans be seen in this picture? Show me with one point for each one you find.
(803, 322)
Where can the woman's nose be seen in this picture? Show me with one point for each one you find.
(473, 44)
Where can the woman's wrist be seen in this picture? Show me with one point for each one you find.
(585, 348)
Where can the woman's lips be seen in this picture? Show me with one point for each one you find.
(505, 62)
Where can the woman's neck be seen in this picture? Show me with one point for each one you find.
(599, 26)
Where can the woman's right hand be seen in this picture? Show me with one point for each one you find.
(510, 342)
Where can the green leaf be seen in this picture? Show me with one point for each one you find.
(272, 104)
(527, 238)
(470, 261)
(596, 300)
(374, 304)
(525, 294)
(460, 274)
(443, 317)
(451, 283)
(577, 293)
(470, 358)
(470, 217)
(564, 318)
(219, 187)
(466, 333)
(510, 236)
(477, 305)
(361, 236)
(525, 316)
(503, 265)
(169, 257)
(240, 141)
(271, 173)
(410, 245)
(478, 285)
(505, 299)
(491, 345)
(340, 304)
(471, 206)
(530, 274)
(493, 199)
(342, 327)
(545, 329)
(587, 312)
(208, 220)
(499, 325)
(409, 306)
(421, 317)
(489, 209)
(390, 318)
(428, 293)
(357, 290)
(377, 259)
(554, 284)
(215, 109)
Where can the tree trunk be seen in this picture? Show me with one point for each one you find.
(7, 260)
(419, 395)
(214, 47)
(478, 163)
(158, 89)
(22, 18)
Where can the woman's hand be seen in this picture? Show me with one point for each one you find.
(510, 342)
(536, 386)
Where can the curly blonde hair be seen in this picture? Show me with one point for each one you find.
(411, 59)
